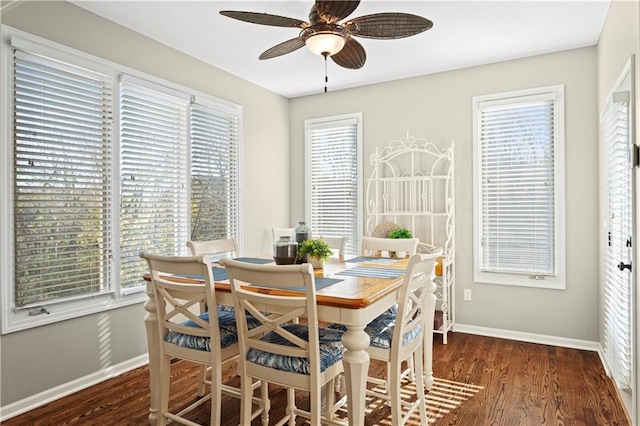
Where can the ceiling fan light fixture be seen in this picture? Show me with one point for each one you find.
(325, 44)
(325, 41)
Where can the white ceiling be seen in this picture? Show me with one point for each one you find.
(465, 33)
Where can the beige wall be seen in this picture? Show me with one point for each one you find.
(37, 360)
(438, 107)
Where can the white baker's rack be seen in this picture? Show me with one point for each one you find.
(412, 185)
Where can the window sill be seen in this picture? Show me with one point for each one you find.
(517, 280)
(21, 320)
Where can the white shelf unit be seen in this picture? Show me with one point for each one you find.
(412, 185)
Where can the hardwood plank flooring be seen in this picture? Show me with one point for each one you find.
(479, 381)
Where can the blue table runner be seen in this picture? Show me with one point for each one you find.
(321, 282)
(377, 260)
(362, 271)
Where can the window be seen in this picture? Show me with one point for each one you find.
(333, 172)
(103, 163)
(215, 178)
(618, 284)
(519, 188)
(62, 122)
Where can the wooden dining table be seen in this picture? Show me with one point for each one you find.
(354, 301)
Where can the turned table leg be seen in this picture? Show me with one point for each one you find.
(356, 369)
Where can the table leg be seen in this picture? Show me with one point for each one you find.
(151, 326)
(356, 368)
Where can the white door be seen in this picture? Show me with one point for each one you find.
(619, 294)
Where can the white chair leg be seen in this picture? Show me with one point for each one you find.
(216, 392)
(266, 402)
(330, 397)
(315, 407)
(165, 379)
(246, 400)
(202, 376)
(387, 385)
(393, 391)
(411, 367)
(338, 383)
(291, 406)
(420, 388)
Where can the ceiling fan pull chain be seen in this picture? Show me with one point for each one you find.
(326, 79)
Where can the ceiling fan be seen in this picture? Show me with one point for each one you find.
(326, 36)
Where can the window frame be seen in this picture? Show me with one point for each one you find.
(524, 279)
(16, 320)
(327, 122)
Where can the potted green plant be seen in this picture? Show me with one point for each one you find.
(316, 252)
(399, 233)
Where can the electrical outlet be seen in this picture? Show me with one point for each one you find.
(467, 294)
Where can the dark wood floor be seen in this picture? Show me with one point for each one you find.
(479, 381)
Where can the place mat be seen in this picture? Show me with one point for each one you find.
(321, 282)
(378, 260)
(362, 271)
(256, 260)
(220, 274)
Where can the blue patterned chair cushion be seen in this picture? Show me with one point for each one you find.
(380, 330)
(331, 350)
(228, 331)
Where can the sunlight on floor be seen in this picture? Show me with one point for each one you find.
(444, 397)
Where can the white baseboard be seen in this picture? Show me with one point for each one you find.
(528, 337)
(58, 392)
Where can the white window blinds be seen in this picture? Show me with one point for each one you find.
(517, 213)
(153, 177)
(617, 343)
(214, 174)
(333, 179)
(62, 209)
(98, 160)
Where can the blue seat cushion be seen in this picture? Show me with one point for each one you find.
(228, 331)
(331, 350)
(380, 330)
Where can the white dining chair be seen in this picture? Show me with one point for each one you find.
(220, 246)
(276, 233)
(397, 336)
(371, 246)
(336, 243)
(296, 356)
(208, 340)
(216, 248)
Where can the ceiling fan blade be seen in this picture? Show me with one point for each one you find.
(388, 25)
(282, 48)
(334, 11)
(351, 56)
(265, 19)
